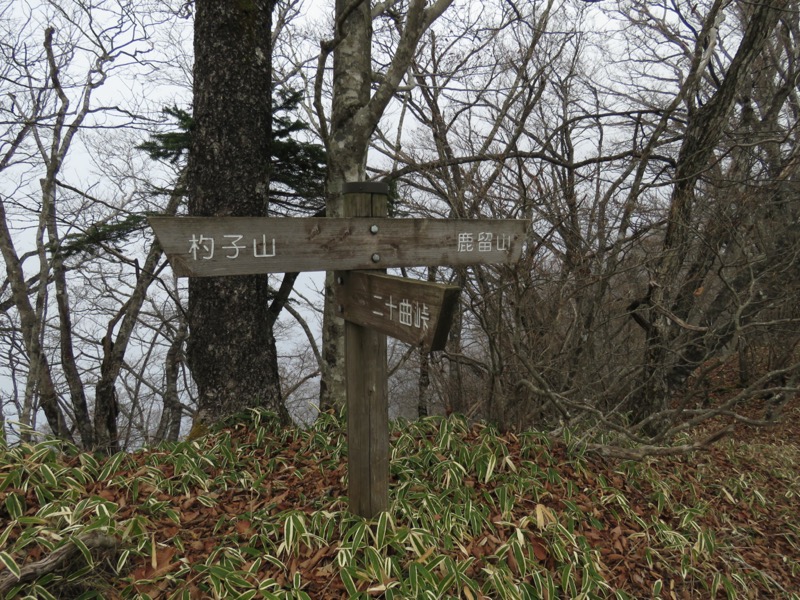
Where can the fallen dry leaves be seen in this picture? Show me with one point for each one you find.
(669, 524)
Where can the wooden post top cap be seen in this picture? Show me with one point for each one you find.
(366, 187)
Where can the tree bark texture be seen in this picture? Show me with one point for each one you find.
(231, 347)
(355, 112)
(347, 154)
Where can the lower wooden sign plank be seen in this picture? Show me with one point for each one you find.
(215, 246)
(417, 312)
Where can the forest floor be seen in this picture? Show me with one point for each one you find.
(256, 511)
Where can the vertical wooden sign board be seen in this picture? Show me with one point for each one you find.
(366, 382)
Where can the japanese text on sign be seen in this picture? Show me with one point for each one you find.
(406, 312)
(484, 242)
(203, 247)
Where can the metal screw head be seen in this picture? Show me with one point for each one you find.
(376, 258)
(373, 229)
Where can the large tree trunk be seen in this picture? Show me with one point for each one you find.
(231, 347)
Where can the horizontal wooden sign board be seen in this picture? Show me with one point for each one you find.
(215, 246)
(415, 312)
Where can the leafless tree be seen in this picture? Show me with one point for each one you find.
(651, 144)
(659, 182)
(60, 61)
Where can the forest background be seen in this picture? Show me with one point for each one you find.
(651, 144)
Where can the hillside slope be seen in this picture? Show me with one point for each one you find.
(255, 511)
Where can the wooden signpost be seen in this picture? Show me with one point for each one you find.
(415, 312)
(373, 304)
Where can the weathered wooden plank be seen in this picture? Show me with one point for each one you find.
(214, 246)
(367, 391)
(367, 421)
(416, 312)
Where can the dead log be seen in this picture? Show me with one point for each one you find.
(59, 558)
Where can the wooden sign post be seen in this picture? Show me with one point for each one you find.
(372, 303)
(415, 312)
(366, 381)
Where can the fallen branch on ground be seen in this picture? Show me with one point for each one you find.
(643, 451)
(57, 559)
